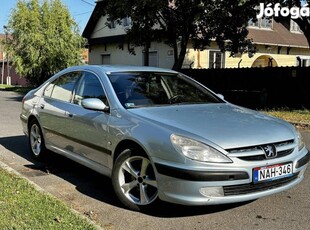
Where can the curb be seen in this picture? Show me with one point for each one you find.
(41, 190)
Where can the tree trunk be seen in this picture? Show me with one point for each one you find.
(147, 54)
(178, 64)
(175, 51)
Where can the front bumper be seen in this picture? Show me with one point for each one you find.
(223, 185)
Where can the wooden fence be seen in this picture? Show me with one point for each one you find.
(259, 87)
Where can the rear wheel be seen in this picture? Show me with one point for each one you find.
(134, 181)
(36, 140)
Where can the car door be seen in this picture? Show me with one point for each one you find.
(88, 128)
(53, 111)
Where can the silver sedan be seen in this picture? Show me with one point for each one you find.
(159, 134)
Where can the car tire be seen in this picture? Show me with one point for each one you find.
(36, 141)
(134, 181)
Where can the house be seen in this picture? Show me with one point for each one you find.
(8, 75)
(278, 44)
(107, 45)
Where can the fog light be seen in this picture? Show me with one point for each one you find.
(212, 191)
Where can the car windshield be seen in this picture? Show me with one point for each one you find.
(141, 89)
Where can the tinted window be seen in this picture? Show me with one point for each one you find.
(89, 87)
(154, 89)
(62, 87)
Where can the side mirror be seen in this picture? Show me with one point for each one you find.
(95, 104)
(220, 96)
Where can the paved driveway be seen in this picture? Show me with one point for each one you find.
(91, 193)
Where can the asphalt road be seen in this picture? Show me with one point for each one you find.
(91, 194)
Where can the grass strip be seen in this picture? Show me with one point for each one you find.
(23, 207)
(17, 89)
(301, 117)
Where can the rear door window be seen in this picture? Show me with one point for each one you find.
(62, 88)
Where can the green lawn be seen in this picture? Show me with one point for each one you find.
(301, 117)
(23, 207)
(6, 86)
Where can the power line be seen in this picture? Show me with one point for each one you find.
(82, 13)
(87, 2)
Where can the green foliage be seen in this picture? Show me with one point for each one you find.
(45, 39)
(178, 22)
(22, 207)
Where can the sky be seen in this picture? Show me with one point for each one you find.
(80, 10)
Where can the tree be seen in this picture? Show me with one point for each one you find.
(180, 21)
(143, 29)
(45, 39)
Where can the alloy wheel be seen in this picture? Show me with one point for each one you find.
(35, 139)
(137, 181)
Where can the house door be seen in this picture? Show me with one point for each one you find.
(153, 58)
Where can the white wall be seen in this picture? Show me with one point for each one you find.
(122, 56)
(102, 30)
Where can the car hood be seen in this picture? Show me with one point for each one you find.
(226, 125)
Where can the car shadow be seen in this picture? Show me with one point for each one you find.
(170, 210)
(12, 96)
(17, 98)
(84, 179)
(95, 185)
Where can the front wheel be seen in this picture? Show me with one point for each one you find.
(134, 181)
(36, 140)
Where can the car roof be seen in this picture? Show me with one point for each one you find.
(123, 68)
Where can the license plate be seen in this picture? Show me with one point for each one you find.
(272, 172)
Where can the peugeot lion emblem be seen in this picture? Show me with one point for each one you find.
(270, 151)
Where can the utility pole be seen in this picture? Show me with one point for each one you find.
(2, 72)
(8, 78)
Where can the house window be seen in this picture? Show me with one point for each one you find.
(263, 23)
(252, 23)
(126, 22)
(106, 59)
(216, 59)
(303, 61)
(111, 24)
(294, 27)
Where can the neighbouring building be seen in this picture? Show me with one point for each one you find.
(278, 44)
(8, 76)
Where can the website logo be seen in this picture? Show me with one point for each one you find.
(277, 10)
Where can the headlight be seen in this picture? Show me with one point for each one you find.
(197, 151)
(301, 143)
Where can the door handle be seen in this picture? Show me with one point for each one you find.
(42, 106)
(67, 114)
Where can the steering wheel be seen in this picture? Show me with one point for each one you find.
(175, 99)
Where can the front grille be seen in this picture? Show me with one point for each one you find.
(263, 157)
(259, 187)
(256, 153)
